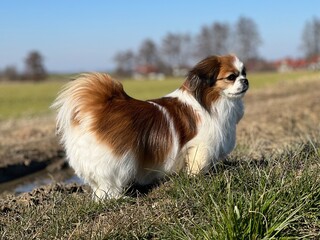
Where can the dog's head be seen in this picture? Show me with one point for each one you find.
(215, 77)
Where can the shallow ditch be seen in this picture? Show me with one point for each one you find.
(20, 178)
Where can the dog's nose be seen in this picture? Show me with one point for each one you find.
(244, 81)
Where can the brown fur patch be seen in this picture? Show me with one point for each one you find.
(184, 118)
(123, 123)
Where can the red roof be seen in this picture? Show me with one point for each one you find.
(296, 63)
(146, 69)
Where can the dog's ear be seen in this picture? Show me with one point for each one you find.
(203, 76)
(206, 71)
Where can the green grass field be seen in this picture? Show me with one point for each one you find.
(33, 99)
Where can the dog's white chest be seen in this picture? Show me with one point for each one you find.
(219, 128)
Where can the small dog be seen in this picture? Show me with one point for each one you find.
(113, 140)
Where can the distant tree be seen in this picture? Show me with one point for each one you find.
(10, 73)
(213, 40)
(176, 50)
(220, 38)
(311, 38)
(148, 53)
(247, 38)
(34, 67)
(204, 46)
(125, 62)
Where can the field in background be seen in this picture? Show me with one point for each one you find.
(33, 99)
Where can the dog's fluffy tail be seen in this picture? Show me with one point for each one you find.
(81, 96)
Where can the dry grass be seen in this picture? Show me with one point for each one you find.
(268, 189)
(278, 116)
(271, 198)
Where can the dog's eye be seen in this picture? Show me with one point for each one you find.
(232, 77)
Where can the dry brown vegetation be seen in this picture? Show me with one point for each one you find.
(276, 117)
(281, 115)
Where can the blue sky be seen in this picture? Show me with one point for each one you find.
(84, 35)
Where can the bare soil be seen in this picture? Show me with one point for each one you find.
(28, 146)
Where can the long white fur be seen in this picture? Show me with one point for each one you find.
(216, 133)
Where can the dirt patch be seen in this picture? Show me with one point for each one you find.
(28, 146)
(39, 196)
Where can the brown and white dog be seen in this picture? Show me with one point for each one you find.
(113, 140)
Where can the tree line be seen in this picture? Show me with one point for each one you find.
(180, 50)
